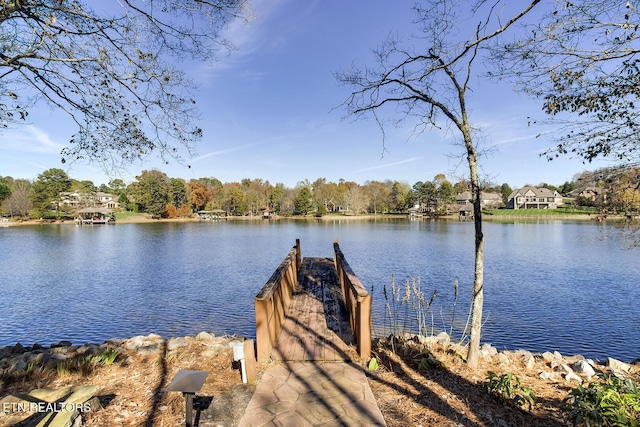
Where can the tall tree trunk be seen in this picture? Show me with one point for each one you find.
(477, 300)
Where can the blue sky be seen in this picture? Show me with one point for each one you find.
(269, 111)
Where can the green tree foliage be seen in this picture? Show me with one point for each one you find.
(567, 187)
(303, 202)
(446, 193)
(46, 191)
(123, 202)
(400, 197)
(111, 68)
(85, 186)
(276, 196)
(150, 192)
(5, 191)
(505, 190)
(177, 192)
(116, 186)
(582, 60)
(233, 198)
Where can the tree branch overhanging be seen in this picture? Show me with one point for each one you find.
(112, 72)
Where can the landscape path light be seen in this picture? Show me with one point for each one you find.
(189, 383)
(238, 356)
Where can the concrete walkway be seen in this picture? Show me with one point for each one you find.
(299, 394)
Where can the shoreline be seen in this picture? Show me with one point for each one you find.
(122, 380)
(12, 356)
(147, 219)
(8, 351)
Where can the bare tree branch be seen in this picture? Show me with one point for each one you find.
(582, 60)
(113, 72)
(422, 81)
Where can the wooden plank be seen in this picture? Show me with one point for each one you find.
(250, 361)
(307, 333)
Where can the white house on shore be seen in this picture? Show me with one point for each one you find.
(78, 200)
(533, 198)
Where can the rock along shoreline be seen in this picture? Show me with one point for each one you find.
(557, 367)
(16, 359)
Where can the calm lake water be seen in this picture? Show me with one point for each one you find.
(549, 285)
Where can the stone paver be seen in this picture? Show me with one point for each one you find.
(313, 394)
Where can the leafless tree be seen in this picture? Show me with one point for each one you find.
(18, 203)
(113, 67)
(357, 200)
(426, 81)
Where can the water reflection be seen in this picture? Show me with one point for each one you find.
(549, 285)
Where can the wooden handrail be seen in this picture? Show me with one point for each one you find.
(272, 302)
(358, 303)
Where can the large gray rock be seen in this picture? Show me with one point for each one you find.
(583, 368)
(529, 359)
(572, 376)
(488, 352)
(547, 356)
(175, 343)
(205, 336)
(617, 365)
(17, 365)
(443, 339)
(503, 359)
(553, 376)
(149, 350)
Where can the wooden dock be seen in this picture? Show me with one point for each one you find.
(313, 309)
(316, 327)
(314, 315)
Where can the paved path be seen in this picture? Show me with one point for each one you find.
(300, 394)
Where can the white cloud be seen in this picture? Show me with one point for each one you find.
(388, 165)
(29, 138)
(220, 152)
(247, 38)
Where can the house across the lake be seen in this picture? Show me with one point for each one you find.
(78, 200)
(487, 200)
(534, 198)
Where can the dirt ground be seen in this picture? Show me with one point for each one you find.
(445, 393)
(131, 389)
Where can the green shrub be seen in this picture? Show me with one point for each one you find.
(508, 389)
(607, 401)
(63, 368)
(107, 357)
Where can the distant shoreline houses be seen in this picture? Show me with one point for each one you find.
(534, 198)
(78, 200)
(527, 197)
(487, 200)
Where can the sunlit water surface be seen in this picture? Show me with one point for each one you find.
(549, 285)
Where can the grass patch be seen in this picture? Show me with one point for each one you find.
(124, 215)
(561, 211)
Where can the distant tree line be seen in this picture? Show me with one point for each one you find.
(155, 193)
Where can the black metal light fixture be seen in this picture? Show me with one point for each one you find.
(188, 383)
